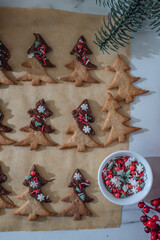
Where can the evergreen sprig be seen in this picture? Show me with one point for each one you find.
(103, 2)
(125, 18)
(154, 15)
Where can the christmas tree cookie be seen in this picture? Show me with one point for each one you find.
(34, 197)
(5, 129)
(81, 129)
(37, 127)
(4, 66)
(37, 62)
(115, 121)
(123, 81)
(4, 193)
(81, 64)
(77, 197)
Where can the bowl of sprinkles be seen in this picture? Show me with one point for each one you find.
(125, 177)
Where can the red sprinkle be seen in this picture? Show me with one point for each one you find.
(139, 188)
(132, 167)
(79, 46)
(35, 179)
(36, 191)
(33, 173)
(116, 168)
(108, 182)
(117, 195)
(110, 176)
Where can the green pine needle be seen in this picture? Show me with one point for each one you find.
(125, 18)
(103, 2)
(154, 15)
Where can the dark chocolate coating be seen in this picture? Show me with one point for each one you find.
(3, 178)
(90, 118)
(83, 112)
(82, 38)
(34, 49)
(40, 117)
(87, 198)
(3, 191)
(46, 128)
(4, 56)
(35, 112)
(81, 183)
(35, 191)
(84, 50)
(3, 128)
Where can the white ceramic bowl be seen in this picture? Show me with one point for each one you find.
(135, 197)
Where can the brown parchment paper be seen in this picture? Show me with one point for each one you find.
(61, 30)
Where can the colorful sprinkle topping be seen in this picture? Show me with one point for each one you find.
(124, 176)
(81, 50)
(83, 115)
(39, 49)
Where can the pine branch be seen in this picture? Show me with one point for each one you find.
(125, 18)
(154, 14)
(103, 2)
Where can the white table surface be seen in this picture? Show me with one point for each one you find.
(145, 113)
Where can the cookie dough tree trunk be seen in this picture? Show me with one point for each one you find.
(81, 64)
(36, 73)
(36, 63)
(79, 139)
(77, 197)
(31, 208)
(77, 209)
(123, 81)
(4, 66)
(37, 128)
(79, 75)
(115, 122)
(34, 139)
(34, 197)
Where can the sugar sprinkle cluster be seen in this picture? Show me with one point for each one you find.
(124, 176)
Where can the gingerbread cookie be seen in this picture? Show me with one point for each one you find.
(77, 197)
(34, 197)
(4, 193)
(37, 127)
(123, 81)
(115, 122)
(81, 64)
(81, 129)
(36, 63)
(4, 140)
(4, 66)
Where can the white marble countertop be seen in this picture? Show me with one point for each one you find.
(145, 59)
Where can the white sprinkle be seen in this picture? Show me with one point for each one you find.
(31, 55)
(86, 129)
